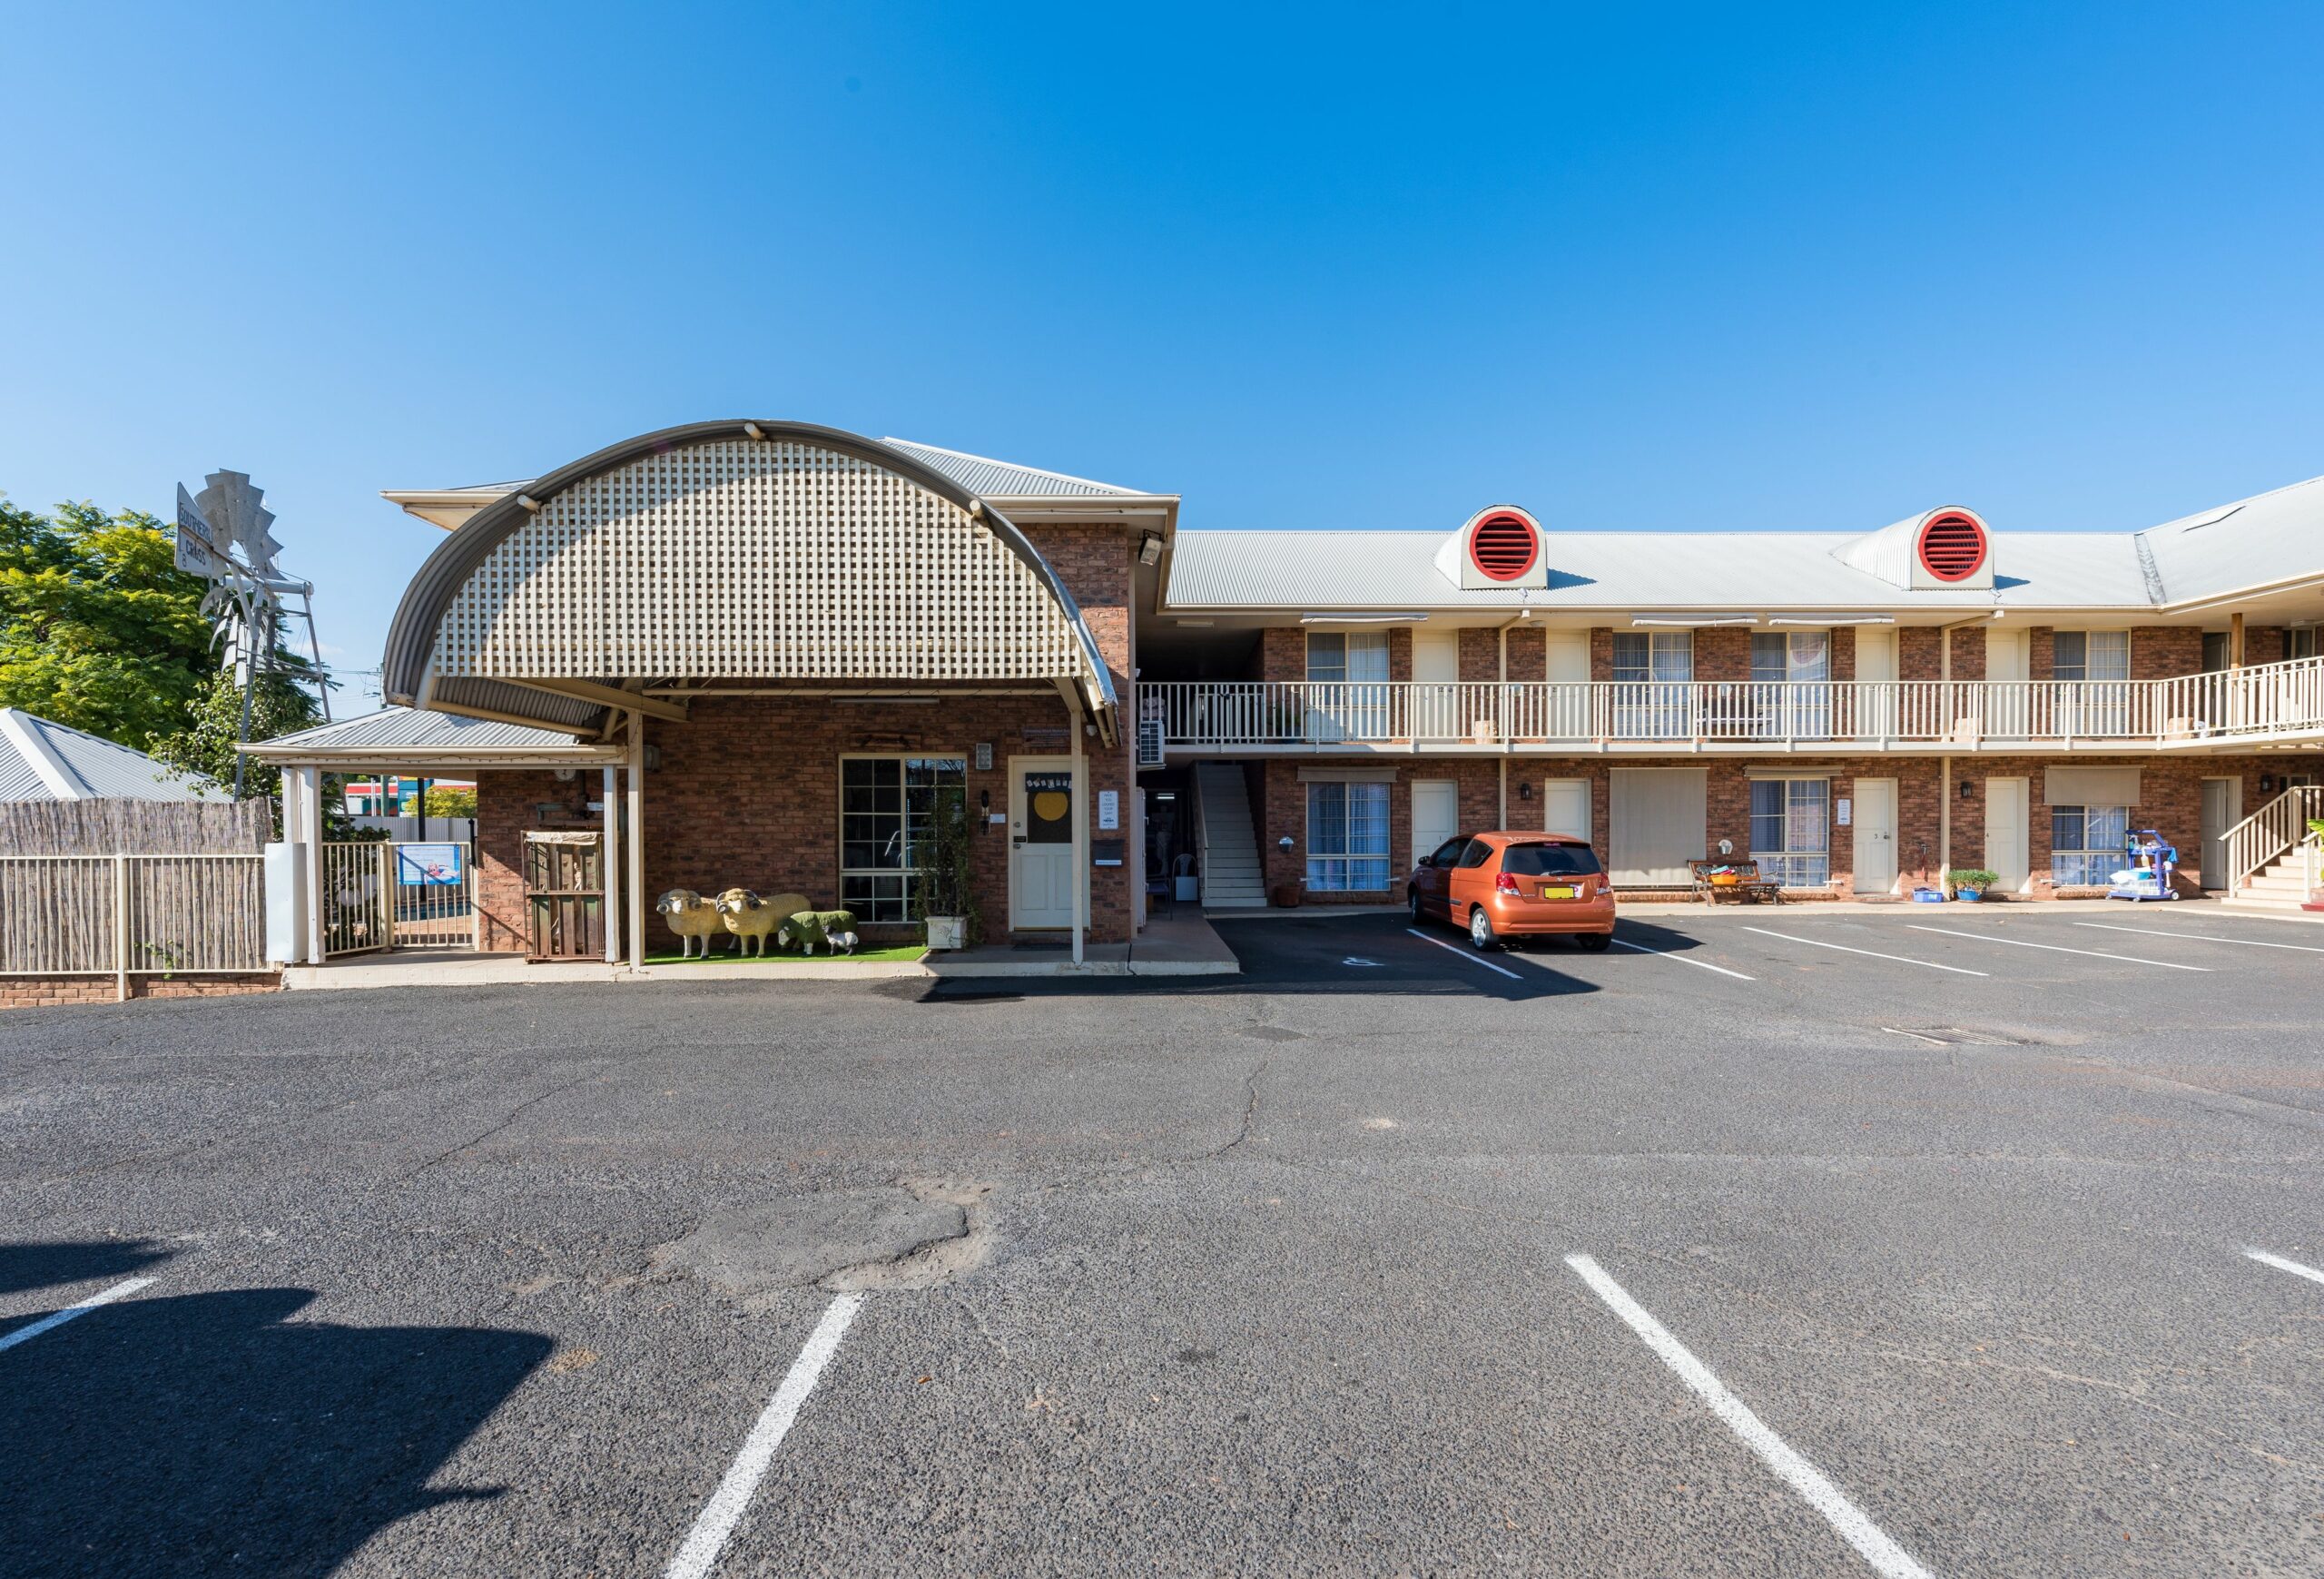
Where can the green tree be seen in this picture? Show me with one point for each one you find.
(204, 742)
(98, 627)
(450, 802)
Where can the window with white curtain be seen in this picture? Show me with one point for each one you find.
(1792, 830)
(2092, 655)
(1347, 654)
(2087, 844)
(1347, 837)
(1650, 671)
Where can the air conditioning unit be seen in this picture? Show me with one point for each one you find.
(1500, 546)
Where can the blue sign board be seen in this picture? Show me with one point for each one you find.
(428, 865)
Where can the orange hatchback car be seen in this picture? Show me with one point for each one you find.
(1510, 884)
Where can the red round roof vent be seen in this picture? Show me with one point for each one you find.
(1951, 546)
(1503, 546)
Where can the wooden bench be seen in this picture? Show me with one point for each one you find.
(1749, 887)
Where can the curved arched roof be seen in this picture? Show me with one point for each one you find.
(412, 635)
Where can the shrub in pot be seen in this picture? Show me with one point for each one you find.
(944, 894)
(1971, 882)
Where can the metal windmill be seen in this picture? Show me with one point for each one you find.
(246, 599)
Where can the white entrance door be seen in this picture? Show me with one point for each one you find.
(1436, 674)
(1565, 807)
(2008, 819)
(1656, 820)
(1043, 801)
(1436, 814)
(2222, 809)
(1875, 673)
(2009, 690)
(1874, 817)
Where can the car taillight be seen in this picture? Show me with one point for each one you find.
(1505, 883)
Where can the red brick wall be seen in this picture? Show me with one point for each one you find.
(52, 992)
(1722, 653)
(2159, 652)
(1969, 653)
(1480, 654)
(2263, 644)
(1844, 653)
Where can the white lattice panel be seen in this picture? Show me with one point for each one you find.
(741, 558)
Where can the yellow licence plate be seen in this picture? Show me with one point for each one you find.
(1556, 891)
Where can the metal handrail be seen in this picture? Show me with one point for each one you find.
(2261, 839)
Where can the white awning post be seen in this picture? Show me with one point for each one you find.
(636, 849)
(609, 804)
(310, 833)
(1082, 810)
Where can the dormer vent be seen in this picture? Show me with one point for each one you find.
(1499, 547)
(1953, 547)
(1940, 550)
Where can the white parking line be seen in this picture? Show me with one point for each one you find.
(2159, 931)
(1682, 959)
(2058, 949)
(1885, 1555)
(1868, 954)
(2281, 1265)
(105, 1297)
(1468, 955)
(699, 1556)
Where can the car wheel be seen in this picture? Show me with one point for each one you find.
(1596, 943)
(1411, 897)
(1480, 931)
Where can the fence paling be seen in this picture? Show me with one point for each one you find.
(131, 915)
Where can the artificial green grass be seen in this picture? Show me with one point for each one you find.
(897, 954)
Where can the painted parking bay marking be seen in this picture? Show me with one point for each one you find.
(1868, 954)
(724, 1509)
(2283, 1265)
(2159, 932)
(104, 1297)
(1464, 953)
(1682, 959)
(2059, 949)
(1886, 1557)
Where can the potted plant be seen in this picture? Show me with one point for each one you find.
(1970, 882)
(944, 894)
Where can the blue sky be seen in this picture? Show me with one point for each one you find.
(1654, 268)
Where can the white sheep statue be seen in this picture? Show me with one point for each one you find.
(748, 917)
(691, 917)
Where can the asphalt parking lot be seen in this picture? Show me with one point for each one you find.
(1942, 1241)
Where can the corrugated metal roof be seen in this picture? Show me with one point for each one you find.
(2269, 536)
(1631, 570)
(990, 478)
(402, 726)
(45, 761)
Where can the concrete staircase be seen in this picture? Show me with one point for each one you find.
(1231, 877)
(2281, 886)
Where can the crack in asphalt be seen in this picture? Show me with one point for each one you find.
(1250, 1110)
(515, 1114)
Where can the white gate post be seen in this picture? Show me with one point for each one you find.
(310, 833)
(121, 928)
(611, 880)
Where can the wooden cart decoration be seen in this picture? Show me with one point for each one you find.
(565, 894)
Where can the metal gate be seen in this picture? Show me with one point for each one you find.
(391, 893)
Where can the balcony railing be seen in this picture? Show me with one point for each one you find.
(2270, 701)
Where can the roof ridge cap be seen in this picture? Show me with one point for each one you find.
(51, 769)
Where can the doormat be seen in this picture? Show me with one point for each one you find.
(1035, 945)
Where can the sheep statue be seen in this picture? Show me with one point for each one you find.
(748, 917)
(691, 917)
(842, 942)
(806, 928)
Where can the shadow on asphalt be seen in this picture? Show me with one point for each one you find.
(24, 1267)
(210, 1433)
(1320, 955)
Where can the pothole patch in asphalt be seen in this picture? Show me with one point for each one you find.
(1953, 1036)
(1272, 1034)
(913, 1234)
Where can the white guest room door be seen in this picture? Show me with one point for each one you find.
(2009, 851)
(1435, 694)
(1875, 814)
(1042, 809)
(1436, 814)
(1565, 807)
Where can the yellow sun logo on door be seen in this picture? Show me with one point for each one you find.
(1050, 805)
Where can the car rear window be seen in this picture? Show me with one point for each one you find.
(1550, 861)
